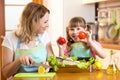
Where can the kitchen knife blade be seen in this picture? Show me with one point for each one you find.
(41, 64)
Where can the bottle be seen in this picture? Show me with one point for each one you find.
(112, 67)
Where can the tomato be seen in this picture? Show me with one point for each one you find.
(82, 35)
(61, 40)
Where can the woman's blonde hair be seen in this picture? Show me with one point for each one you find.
(74, 22)
(29, 19)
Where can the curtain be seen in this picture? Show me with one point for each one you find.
(38, 1)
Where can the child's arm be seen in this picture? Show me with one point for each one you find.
(63, 50)
(96, 46)
(67, 51)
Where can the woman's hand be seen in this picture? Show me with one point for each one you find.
(26, 60)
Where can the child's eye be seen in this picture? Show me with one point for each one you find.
(71, 29)
(78, 28)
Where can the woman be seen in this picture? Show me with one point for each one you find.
(29, 44)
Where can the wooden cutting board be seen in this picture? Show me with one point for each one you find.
(35, 75)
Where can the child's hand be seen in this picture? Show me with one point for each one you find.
(89, 37)
(82, 35)
(85, 36)
(61, 40)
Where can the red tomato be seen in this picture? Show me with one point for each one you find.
(61, 40)
(82, 35)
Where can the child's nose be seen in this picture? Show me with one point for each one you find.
(75, 31)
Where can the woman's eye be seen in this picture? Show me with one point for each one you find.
(46, 21)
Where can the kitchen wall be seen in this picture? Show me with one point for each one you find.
(77, 8)
(61, 11)
(13, 10)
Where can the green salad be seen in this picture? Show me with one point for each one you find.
(66, 61)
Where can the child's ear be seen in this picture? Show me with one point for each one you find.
(86, 28)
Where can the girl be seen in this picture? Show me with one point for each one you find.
(80, 47)
(29, 44)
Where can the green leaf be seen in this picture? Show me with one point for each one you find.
(113, 16)
(83, 65)
(117, 27)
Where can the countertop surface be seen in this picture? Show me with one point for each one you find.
(96, 75)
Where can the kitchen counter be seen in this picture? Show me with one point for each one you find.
(96, 75)
(111, 46)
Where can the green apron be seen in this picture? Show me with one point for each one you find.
(39, 54)
(79, 50)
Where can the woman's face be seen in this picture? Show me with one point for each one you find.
(43, 23)
(73, 32)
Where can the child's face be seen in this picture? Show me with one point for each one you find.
(73, 32)
(43, 23)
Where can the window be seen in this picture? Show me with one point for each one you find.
(13, 10)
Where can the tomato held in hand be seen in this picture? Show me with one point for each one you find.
(82, 35)
(61, 40)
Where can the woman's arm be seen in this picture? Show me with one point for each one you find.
(9, 67)
(49, 49)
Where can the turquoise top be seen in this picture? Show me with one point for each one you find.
(80, 50)
(39, 54)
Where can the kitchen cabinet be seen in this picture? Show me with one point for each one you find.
(2, 33)
(92, 1)
(96, 1)
(106, 33)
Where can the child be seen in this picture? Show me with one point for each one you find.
(29, 44)
(80, 47)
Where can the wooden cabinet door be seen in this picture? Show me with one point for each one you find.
(38, 1)
(92, 1)
(2, 32)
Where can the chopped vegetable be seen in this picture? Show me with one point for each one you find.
(82, 64)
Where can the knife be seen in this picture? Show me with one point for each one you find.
(41, 64)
